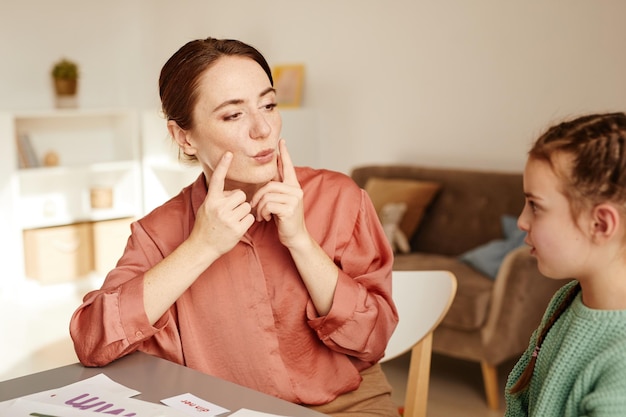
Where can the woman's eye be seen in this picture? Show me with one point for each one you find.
(232, 116)
(270, 106)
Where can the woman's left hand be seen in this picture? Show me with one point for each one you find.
(282, 199)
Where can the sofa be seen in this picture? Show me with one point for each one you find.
(461, 213)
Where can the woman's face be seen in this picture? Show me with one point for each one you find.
(555, 238)
(236, 112)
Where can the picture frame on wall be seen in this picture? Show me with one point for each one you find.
(288, 81)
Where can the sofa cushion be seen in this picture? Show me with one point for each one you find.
(487, 258)
(470, 306)
(417, 195)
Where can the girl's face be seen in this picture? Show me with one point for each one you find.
(236, 112)
(555, 238)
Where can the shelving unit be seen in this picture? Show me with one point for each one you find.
(93, 150)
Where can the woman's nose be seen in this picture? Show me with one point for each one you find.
(260, 127)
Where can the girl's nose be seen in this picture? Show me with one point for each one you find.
(522, 220)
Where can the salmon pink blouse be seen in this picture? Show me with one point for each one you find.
(249, 318)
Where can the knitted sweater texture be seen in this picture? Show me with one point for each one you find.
(581, 367)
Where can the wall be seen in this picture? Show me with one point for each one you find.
(452, 83)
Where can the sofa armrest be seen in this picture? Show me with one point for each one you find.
(519, 299)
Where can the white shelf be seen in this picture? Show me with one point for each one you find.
(60, 171)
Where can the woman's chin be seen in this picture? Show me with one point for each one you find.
(259, 176)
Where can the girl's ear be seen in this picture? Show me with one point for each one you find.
(605, 220)
(181, 138)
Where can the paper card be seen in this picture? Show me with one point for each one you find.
(96, 394)
(22, 407)
(99, 383)
(192, 405)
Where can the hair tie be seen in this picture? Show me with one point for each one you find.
(535, 352)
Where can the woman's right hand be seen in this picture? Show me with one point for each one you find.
(224, 216)
(221, 221)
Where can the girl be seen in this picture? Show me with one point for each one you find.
(575, 217)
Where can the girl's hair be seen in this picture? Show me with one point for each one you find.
(179, 79)
(596, 146)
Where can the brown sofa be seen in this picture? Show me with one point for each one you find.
(490, 320)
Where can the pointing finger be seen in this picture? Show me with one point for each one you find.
(288, 172)
(216, 183)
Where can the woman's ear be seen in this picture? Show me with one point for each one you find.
(605, 221)
(180, 137)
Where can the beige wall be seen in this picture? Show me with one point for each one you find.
(450, 82)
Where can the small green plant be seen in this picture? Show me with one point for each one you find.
(65, 69)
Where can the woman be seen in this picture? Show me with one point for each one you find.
(274, 277)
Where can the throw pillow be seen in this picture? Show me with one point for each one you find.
(417, 195)
(487, 258)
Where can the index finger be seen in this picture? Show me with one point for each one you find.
(216, 183)
(288, 171)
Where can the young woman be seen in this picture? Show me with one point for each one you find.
(575, 216)
(274, 277)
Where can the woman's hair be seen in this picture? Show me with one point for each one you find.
(179, 79)
(596, 172)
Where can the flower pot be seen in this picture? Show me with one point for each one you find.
(65, 87)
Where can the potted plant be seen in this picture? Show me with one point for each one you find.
(65, 76)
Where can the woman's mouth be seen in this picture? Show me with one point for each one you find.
(264, 156)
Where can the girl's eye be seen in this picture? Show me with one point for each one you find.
(532, 206)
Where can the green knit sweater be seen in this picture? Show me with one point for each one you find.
(581, 367)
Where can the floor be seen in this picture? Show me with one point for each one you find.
(456, 387)
(37, 317)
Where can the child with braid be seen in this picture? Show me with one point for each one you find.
(575, 217)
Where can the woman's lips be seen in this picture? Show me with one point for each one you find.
(265, 156)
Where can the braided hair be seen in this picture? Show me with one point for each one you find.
(524, 379)
(597, 145)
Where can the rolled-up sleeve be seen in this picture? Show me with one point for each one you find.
(111, 322)
(363, 315)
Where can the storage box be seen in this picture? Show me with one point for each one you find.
(109, 241)
(101, 197)
(58, 254)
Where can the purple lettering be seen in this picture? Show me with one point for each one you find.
(85, 405)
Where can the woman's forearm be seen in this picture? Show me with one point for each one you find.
(169, 279)
(318, 273)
